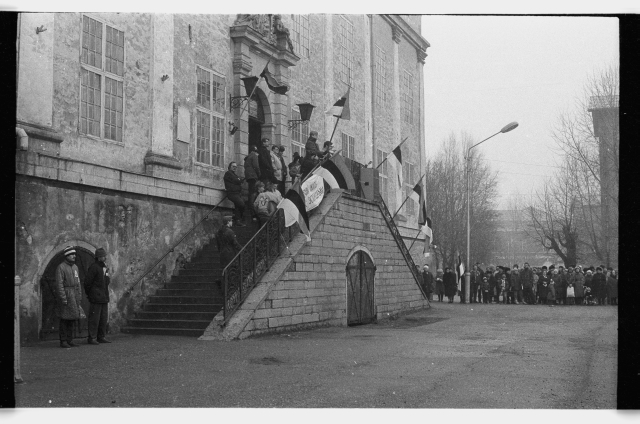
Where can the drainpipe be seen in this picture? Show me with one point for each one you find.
(23, 144)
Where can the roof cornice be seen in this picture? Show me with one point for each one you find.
(415, 39)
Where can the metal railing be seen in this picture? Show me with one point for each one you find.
(400, 242)
(171, 250)
(244, 271)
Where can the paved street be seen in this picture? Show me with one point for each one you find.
(450, 356)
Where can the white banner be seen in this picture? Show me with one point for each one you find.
(313, 190)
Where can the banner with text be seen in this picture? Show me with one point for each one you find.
(313, 190)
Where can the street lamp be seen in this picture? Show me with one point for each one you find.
(467, 276)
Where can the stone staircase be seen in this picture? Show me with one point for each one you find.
(188, 303)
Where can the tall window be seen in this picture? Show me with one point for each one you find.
(381, 76)
(300, 35)
(382, 174)
(346, 50)
(348, 146)
(299, 134)
(409, 177)
(101, 80)
(210, 103)
(407, 97)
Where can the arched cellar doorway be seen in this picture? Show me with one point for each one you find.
(49, 328)
(360, 289)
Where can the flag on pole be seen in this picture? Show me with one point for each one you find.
(295, 211)
(340, 108)
(460, 265)
(336, 173)
(417, 194)
(271, 81)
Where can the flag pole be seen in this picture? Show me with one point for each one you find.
(254, 88)
(405, 139)
(405, 200)
(334, 128)
(414, 240)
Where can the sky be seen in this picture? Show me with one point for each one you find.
(483, 72)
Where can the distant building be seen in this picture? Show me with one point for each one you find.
(605, 114)
(513, 246)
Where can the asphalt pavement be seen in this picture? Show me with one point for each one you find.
(448, 356)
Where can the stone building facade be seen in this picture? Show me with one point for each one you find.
(124, 128)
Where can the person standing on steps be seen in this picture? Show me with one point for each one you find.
(227, 242)
(264, 162)
(96, 286)
(68, 297)
(252, 175)
(233, 186)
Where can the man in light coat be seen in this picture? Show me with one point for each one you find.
(68, 296)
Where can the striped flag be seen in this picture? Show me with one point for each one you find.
(336, 173)
(417, 194)
(340, 108)
(271, 81)
(428, 232)
(295, 211)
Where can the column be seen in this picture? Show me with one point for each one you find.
(329, 96)
(397, 121)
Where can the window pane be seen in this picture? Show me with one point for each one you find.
(112, 104)
(218, 141)
(218, 90)
(203, 88)
(203, 139)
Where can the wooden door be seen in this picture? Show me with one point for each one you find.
(360, 289)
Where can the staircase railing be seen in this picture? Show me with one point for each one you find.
(256, 257)
(171, 250)
(403, 248)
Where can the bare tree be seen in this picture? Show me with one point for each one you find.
(583, 221)
(446, 200)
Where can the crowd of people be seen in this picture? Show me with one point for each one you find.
(265, 172)
(574, 285)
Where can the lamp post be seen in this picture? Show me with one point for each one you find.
(467, 275)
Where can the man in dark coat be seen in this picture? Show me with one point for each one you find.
(598, 285)
(233, 185)
(264, 161)
(450, 284)
(68, 297)
(474, 283)
(228, 245)
(96, 286)
(312, 154)
(252, 175)
(281, 183)
(516, 285)
(526, 280)
(427, 281)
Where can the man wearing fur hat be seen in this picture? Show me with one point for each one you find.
(68, 296)
(96, 286)
(227, 243)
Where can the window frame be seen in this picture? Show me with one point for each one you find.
(407, 97)
(103, 75)
(301, 31)
(345, 51)
(351, 146)
(380, 77)
(301, 130)
(382, 173)
(213, 114)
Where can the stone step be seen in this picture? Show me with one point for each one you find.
(184, 300)
(192, 286)
(182, 307)
(211, 278)
(176, 316)
(188, 332)
(169, 323)
(187, 293)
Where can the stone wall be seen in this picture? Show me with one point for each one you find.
(136, 230)
(313, 291)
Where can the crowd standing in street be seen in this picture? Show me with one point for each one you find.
(573, 285)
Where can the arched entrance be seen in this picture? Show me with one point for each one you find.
(49, 329)
(360, 289)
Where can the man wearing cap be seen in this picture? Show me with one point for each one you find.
(96, 286)
(312, 153)
(233, 186)
(427, 281)
(281, 183)
(526, 281)
(68, 296)
(228, 245)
